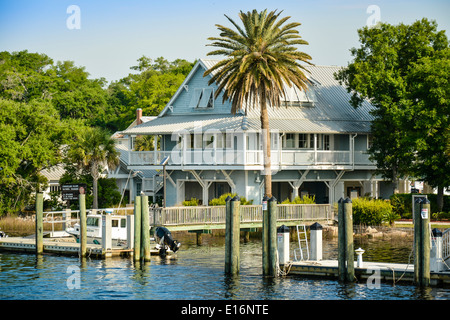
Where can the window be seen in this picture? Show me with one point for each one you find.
(326, 142)
(303, 140)
(208, 140)
(202, 98)
(289, 141)
(369, 141)
(123, 223)
(115, 223)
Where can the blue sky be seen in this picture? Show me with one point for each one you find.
(114, 34)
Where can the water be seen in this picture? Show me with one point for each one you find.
(195, 273)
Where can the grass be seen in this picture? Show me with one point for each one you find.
(14, 226)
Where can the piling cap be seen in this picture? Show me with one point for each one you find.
(418, 200)
(228, 198)
(265, 198)
(436, 233)
(341, 200)
(236, 198)
(425, 201)
(316, 226)
(283, 229)
(273, 199)
(347, 200)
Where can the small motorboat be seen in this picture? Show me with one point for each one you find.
(3, 234)
(163, 243)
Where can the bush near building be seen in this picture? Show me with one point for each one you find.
(373, 212)
(402, 205)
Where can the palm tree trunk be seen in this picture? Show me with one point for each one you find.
(95, 192)
(266, 151)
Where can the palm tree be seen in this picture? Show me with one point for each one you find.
(261, 58)
(93, 151)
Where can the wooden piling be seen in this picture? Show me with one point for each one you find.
(235, 235)
(227, 234)
(265, 236)
(346, 256)
(272, 204)
(422, 214)
(83, 226)
(145, 237)
(39, 223)
(137, 228)
(341, 241)
(349, 253)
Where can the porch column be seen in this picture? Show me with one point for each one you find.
(155, 148)
(315, 148)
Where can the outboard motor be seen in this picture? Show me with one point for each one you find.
(165, 238)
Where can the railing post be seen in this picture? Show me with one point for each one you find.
(39, 223)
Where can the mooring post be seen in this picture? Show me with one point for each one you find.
(341, 240)
(273, 236)
(349, 252)
(39, 223)
(145, 237)
(83, 226)
(137, 228)
(227, 234)
(265, 236)
(422, 214)
(106, 235)
(436, 261)
(130, 231)
(316, 241)
(235, 231)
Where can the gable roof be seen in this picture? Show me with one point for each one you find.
(330, 113)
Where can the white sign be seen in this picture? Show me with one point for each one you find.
(424, 213)
(264, 205)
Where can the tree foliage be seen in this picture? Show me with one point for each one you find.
(403, 71)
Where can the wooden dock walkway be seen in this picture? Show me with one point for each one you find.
(61, 246)
(388, 272)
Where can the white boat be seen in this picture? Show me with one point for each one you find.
(163, 244)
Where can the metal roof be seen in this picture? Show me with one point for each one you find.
(331, 112)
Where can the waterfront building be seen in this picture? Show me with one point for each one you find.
(319, 145)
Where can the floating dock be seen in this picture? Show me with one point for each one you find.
(63, 246)
(387, 272)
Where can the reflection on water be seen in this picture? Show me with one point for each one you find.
(196, 272)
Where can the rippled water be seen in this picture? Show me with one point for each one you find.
(196, 272)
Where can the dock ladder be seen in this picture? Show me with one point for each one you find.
(301, 235)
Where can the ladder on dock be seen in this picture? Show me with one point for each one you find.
(302, 237)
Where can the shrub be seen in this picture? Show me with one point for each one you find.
(402, 205)
(373, 212)
(191, 203)
(221, 200)
(304, 200)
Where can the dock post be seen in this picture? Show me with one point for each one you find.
(130, 231)
(265, 236)
(235, 230)
(145, 237)
(283, 244)
(341, 240)
(422, 214)
(39, 223)
(106, 235)
(83, 226)
(346, 256)
(436, 261)
(227, 234)
(67, 216)
(350, 252)
(273, 236)
(137, 228)
(316, 241)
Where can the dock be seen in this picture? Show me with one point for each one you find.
(63, 246)
(386, 272)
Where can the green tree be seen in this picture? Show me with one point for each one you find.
(260, 59)
(93, 151)
(387, 70)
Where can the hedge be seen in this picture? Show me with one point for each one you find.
(372, 212)
(402, 205)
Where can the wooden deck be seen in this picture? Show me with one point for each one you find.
(61, 246)
(388, 272)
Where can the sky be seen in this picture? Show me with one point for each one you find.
(107, 37)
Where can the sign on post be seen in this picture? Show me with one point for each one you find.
(72, 191)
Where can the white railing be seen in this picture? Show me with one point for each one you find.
(446, 244)
(250, 157)
(248, 214)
